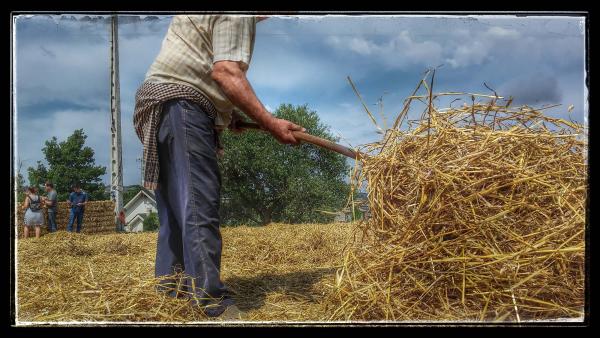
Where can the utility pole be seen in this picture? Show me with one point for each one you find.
(141, 160)
(116, 166)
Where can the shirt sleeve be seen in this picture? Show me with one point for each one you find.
(233, 38)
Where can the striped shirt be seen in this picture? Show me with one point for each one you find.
(183, 68)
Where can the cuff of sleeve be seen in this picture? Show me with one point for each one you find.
(241, 57)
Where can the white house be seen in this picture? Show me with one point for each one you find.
(138, 209)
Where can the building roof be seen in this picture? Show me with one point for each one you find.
(139, 217)
(144, 192)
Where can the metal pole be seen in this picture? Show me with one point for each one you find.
(116, 165)
(141, 160)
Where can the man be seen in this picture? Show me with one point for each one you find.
(188, 96)
(121, 223)
(51, 203)
(77, 201)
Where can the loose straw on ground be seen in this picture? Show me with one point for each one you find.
(278, 272)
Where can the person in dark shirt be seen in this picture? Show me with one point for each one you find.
(77, 201)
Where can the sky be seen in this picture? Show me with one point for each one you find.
(61, 70)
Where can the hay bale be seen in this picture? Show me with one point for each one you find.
(478, 213)
(99, 217)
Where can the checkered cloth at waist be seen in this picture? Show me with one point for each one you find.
(148, 107)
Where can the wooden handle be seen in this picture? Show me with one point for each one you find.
(321, 142)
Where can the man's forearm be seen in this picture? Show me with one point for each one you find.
(231, 78)
(238, 90)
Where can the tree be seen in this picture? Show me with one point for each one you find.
(151, 222)
(130, 193)
(264, 181)
(69, 162)
(20, 184)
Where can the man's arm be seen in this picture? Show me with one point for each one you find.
(84, 200)
(49, 202)
(231, 77)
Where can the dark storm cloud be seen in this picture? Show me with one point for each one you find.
(535, 89)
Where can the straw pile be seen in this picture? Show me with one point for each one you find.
(98, 218)
(478, 213)
(278, 272)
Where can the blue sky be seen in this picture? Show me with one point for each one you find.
(62, 70)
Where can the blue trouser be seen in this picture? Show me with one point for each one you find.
(51, 220)
(187, 200)
(75, 214)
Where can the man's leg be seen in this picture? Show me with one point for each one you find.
(79, 220)
(52, 221)
(169, 250)
(71, 220)
(193, 196)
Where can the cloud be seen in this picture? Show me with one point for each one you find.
(533, 89)
(281, 68)
(48, 52)
(62, 67)
(399, 52)
(501, 33)
(32, 133)
(480, 46)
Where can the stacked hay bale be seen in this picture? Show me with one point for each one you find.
(478, 213)
(98, 218)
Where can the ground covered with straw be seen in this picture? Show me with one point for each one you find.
(280, 272)
(478, 215)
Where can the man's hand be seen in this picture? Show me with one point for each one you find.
(235, 118)
(231, 77)
(282, 130)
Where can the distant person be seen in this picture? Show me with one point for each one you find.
(51, 203)
(34, 217)
(121, 223)
(77, 201)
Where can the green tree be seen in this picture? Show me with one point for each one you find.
(151, 222)
(20, 184)
(264, 181)
(130, 193)
(69, 161)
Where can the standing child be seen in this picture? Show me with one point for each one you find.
(33, 214)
